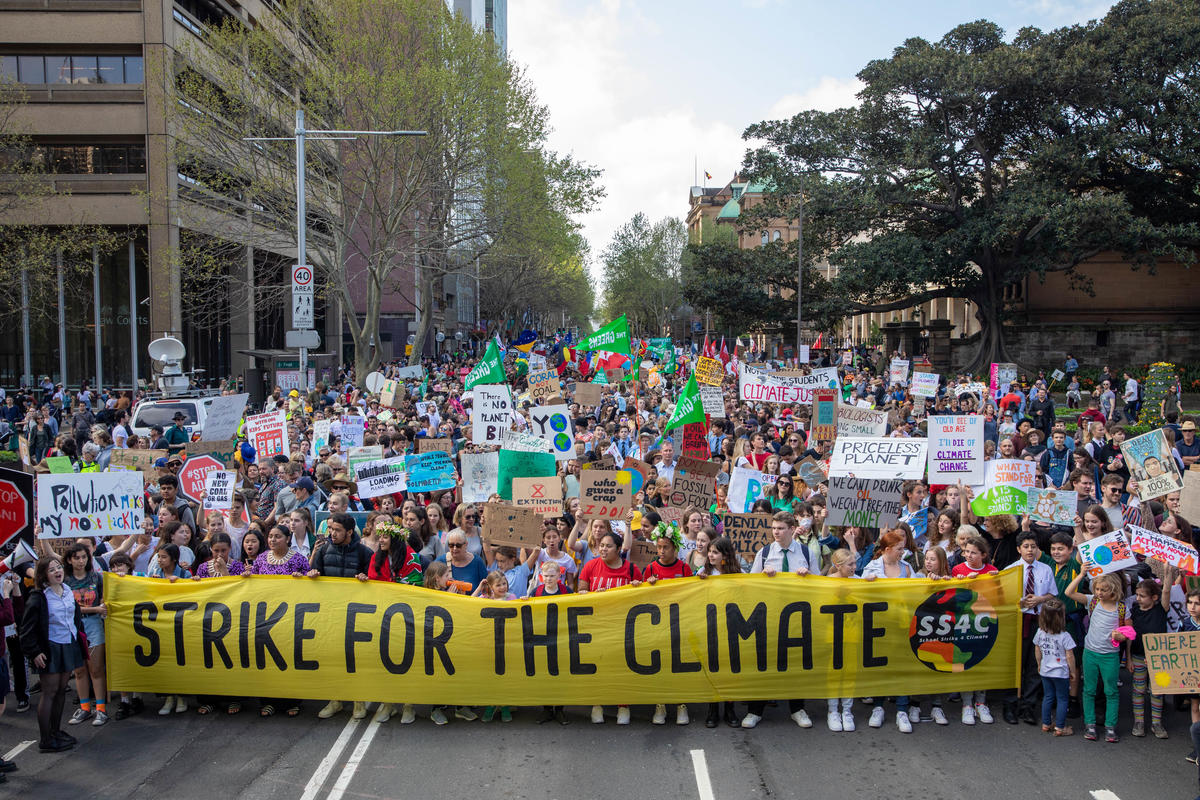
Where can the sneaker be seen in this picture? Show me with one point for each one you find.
(1191, 758)
(79, 716)
(834, 720)
(360, 710)
(122, 711)
(1158, 730)
(100, 719)
(180, 704)
(1110, 736)
(984, 713)
(660, 715)
(847, 722)
(7, 766)
(506, 714)
(876, 720)
(408, 716)
(561, 716)
(622, 715)
(598, 715)
(914, 714)
(465, 712)
(801, 719)
(489, 713)
(869, 700)
(331, 708)
(939, 716)
(681, 715)
(1139, 729)
(384, 713)
(751, 720)
(903, 722)
(168, 706)
(438, 716)
(968, 714)
(1089, 733)
(22, 704)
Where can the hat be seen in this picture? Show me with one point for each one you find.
(305, 482)
(341, 477)
(179, 415)
(1188, 426)
(174, 458)
(160, 462)
(249, 454)
(294, 393)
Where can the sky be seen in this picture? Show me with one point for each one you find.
(650, 91)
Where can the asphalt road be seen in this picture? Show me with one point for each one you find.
(186, 757)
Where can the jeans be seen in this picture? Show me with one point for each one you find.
(1100, 668)
(1056, 692)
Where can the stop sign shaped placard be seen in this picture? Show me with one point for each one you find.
(14, 511)
(194, 473)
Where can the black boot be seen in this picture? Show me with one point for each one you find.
(730, 716)
(1010, 713)
(714, 716)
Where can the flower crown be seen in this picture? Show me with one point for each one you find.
(669, 531)
(392, 529)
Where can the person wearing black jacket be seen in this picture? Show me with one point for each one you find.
(8, 585)
(52, 638)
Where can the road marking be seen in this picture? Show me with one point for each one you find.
(326, 766)
(703, 784)
(16, 751)
(356, 757)
(1103, 794)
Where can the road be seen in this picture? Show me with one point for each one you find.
(188, 757)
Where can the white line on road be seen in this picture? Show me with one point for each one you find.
(326, 766)
(356, 757)
(16, 751)
(1103, 794)
(703, 784)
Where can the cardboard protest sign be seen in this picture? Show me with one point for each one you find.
(543, 383)
(746, 486)
(1161, 547)
(864, 502)
(1052, 506)
(268, 434)
(59, 465)
(749, 533)
(604, 494)
(224, 415)
(898, 371)
(826, 377)
(694, 484)
(360, 455)
(391, 393)
(925, 384)
(481, 475)
(505, 525)
(381, 477)
(606, 463)
(521, 464)
(1108, 553)
(541, 495)
(1189, 498)
(759, 386)
(1173, 661)
(642, 552)
(430, 472)
(554, 424)
(588, 394)
(709, 371)
(1007, 482)
(695, 443)
(956, 449)
(524, 442)
(878, 458)
(825, 414)
(713, 401)
(1057, 375)
(141, 460)
(615, 374)
(428, 444)
(90, 504)
(856, 423)
(219, 486)
(1151, 464)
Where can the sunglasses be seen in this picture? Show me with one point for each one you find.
(456, 545)
(471, 517)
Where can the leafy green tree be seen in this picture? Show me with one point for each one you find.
(643, 272)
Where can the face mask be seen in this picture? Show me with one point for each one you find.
(806, 524)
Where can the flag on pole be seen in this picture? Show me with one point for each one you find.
(488, 370)
(689, 408)
(707, 175)
(613, 337)
(724, 354)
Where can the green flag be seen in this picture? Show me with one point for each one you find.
(613, 337)
(689, 408)
(489, 370)
(670, 364)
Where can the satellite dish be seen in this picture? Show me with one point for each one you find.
(412, 338)
(168, 350)
(458, 335)
(375, 381)
(441, 337)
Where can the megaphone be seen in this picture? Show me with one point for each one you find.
(20, 557)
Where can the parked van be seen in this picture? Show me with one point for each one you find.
(162, 413)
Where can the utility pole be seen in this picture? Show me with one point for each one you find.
(799, 268)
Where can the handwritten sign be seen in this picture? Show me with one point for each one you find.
(709, 371)
(864, 502)
(224, 415)
(1173, 661)
(1006, 487)
(90, 504)
(1057, 375)
(554, 424)
(541, 495)
(268, 434)
(505, 525)
(521, 464)
(352, 430)
(604, 494)
(712, 399)
(825, 414)
(694, 483)
(320, 437)
(925, 384)
(695, 444)
(854, 422)
(524, 442)
(898, 371)
(588, 394)
(59, 465)
(543, 383)
(759, 386)
(1052, 506)
(481, 475)
(218, 490)
(382, 477)
(429, 444)
(1161, 547)
(491, 413)
(746, 486)
(430, 472)
(1150, 462)
(642, 552)
(748, 532)
(141, 460)
(1108, 553)
(878, 458)
(956, 449)
(391, 393)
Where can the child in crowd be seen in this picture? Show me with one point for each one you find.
(495, 587)
(1056, 665)
(722, 560)
(1101, 650)
(974, 551)
(552, 541)
(841, 714)
(1148, 616)
(667, 539)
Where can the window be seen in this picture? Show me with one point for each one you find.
(775, 236)
(83, 69)
(44, 69)
(106, 159)
(764, 237)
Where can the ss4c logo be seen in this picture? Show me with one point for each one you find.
(953, 630)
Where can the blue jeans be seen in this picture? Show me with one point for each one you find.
(1055, 693)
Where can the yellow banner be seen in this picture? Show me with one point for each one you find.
(733, 637)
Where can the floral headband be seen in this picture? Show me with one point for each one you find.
(669, 531)
(392, 529)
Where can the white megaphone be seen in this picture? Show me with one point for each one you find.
(20, 557)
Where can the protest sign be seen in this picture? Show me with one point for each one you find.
(639, 472)
(749, 533)
(413, 373)
(1161, 547)
(426, 408)
(588, 394)
(759, 386)
(864, 502)
(878, 458)
(695, 443)
(1007, 482)
(359, 455)
(554, 424)
(543, 384)
(977, 389)
(1151, 464)
(541, 495)
(826, 377)
(224, 415)
(898, 371)
(956, 449)
(1057, 375)
(430, 472)
(713, 401)
(854, 422)
(223, 452)
(604, 494)
(391, 393)
(59, 465)
(642, 552)
(521, 464)
(268, 434)
(925, 384)
(430, 444)
(481, 475)
(511, 526)
(1108, 553)
(615, 375)
(709, 371)
(524, 442)
(1173, 661)
(825, 414)
(352, 430)
(320, 436)
(1052, 506)
(694, 483)
(606, 462)
(141, 460)
(90, 504)
(1189, 498)
(746, 486)
(219, 486)
(381, 477)
(811, 471)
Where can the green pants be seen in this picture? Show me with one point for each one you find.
(1103, 668)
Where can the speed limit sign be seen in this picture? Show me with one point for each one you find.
(302, 297)
(302, 275)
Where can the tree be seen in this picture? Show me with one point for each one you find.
(972, 162)
(642, 272)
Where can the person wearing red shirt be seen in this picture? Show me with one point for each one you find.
(608, 571)
(667, 540)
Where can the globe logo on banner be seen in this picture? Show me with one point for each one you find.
(953, 630)
(1102, 556)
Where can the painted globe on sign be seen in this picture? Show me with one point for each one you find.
(562, 441)
(953, 630)
(558, 422)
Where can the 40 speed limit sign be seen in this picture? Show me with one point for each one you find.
(302, 297)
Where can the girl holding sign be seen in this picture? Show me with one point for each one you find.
(1101, 649)
(608, 570)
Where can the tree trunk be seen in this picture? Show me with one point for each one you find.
(426, 313)
(992, 347)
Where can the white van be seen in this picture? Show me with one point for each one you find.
(162, 413)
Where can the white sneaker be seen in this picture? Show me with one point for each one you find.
(168, 706)
(623, 715)
(360, 710)
(876, 720)
(903, 722)
(914, 714)
(331, 708)
(465, 712)
(438, 716)
(834, 720)
(801, 719)
(939, 716)
(100, 719)
(750, 720)
(598, 715)
(180, 704)
(681, 715)
(968, 715)
(79, 716)
(408, 717)
(848, 722)
(660, 715)
(384, 713)
(984, 713)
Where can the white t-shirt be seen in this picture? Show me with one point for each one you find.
(1054, 647)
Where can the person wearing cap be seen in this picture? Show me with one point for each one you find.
(1187, 445)
(305, 491)
(344, 484)
(176, 436)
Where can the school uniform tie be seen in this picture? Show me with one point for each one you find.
(1029, 579)
(785, 562)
